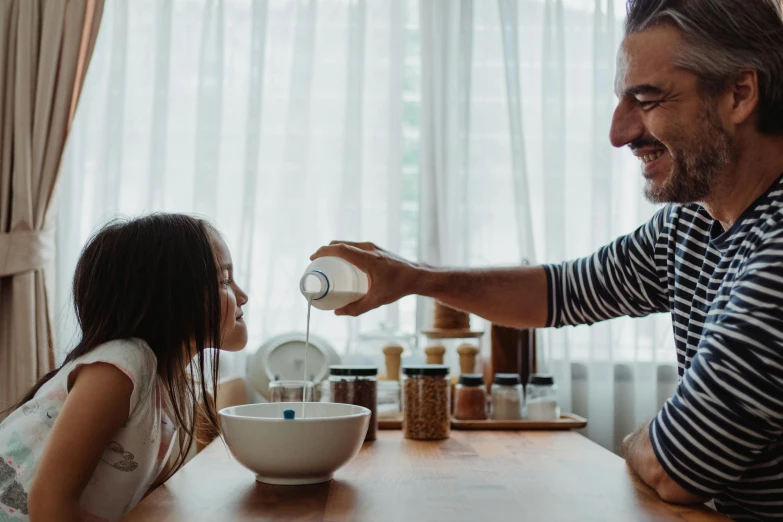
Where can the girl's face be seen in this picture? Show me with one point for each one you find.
(232, 298)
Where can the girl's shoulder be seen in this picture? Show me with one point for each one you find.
(132, 356)
(133, 351)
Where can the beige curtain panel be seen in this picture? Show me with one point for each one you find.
(45, 46)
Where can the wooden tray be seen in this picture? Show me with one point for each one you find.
(390, 423)
(567, 421)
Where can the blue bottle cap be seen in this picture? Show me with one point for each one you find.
(289, 414)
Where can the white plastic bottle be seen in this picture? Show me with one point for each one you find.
(333, 283)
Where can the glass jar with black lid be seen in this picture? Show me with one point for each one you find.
(356, 385)
(470, 397)
(541, 398)
(507, 397)
(426, 402)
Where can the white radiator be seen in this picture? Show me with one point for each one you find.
(618, 397)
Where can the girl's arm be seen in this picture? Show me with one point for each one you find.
(97, 406)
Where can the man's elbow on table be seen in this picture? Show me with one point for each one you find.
(670, 491)
(640, 456)
(667, 488)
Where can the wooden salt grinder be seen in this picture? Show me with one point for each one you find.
(467, 358)
(393, 355)
(435, 353)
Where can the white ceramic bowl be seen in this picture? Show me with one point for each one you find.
(292, 452)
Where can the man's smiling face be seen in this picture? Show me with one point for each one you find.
(668, 123)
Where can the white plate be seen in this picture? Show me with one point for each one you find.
(282, 357)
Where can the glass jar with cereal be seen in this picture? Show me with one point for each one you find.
(426, 402)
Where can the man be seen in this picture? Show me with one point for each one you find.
(700, 88)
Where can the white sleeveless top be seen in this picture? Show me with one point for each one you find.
(130, 463)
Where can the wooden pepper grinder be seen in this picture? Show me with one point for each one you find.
(393, 355)
(467, 358)
(435, 353)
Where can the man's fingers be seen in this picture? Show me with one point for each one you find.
(364, 245)
(360, 255)
(324, 251)
(350, 253)
(357, 307)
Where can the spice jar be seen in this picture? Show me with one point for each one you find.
(507, 397)
(426, 402)
(356, 385)
(470, 398)
(542, 398)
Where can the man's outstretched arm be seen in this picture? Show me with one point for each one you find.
(621, 278)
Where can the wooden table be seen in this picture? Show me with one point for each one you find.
(475, 476)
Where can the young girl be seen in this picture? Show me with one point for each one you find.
(91, 438)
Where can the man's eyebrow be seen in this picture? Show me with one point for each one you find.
(644, 88)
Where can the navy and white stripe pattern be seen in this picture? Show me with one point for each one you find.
(721, 435)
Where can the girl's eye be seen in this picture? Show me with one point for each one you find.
(228, 282)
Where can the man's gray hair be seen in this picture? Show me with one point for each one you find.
(723, 36)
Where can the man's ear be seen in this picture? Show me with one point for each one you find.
(744, 96)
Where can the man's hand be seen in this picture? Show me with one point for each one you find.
(512, 296)
(640, 457)
(390, 276)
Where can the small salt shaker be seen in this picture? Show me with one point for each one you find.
(541, 398)
(507, 397)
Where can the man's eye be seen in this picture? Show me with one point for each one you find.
(648, 104)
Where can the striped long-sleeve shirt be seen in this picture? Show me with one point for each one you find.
(721, 435)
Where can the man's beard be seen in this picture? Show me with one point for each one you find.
(697, 165)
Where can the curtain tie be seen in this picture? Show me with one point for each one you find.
(25, 251)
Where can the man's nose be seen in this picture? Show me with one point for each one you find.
(626, 125)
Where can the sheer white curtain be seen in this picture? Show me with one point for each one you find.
(517, 102)
(456, 131)
(279, 120)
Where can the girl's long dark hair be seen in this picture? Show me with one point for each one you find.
(155, 278)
